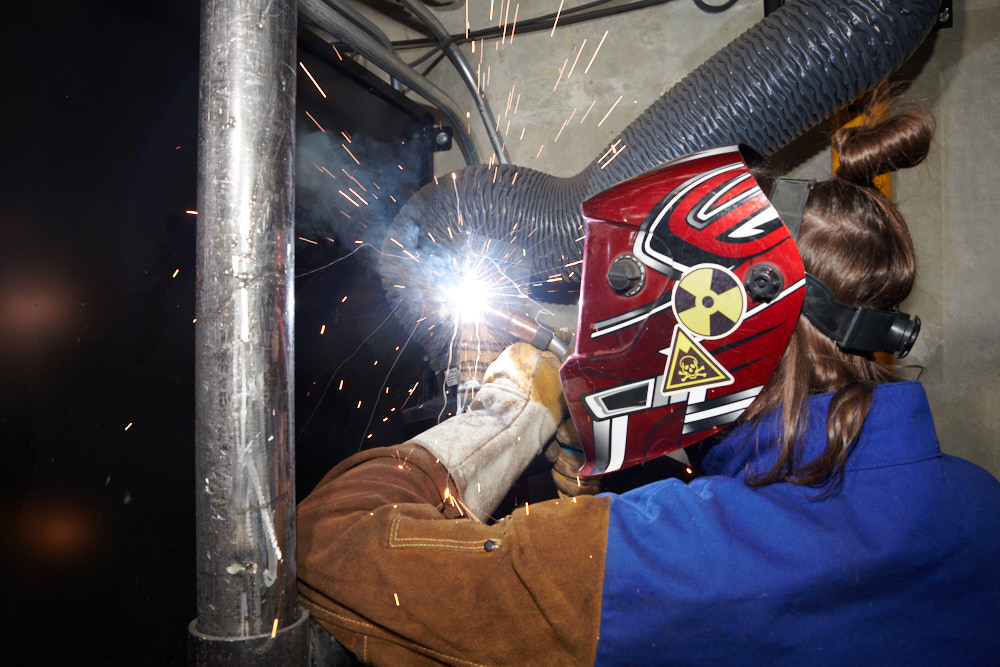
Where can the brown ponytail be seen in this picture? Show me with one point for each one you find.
(856, 241)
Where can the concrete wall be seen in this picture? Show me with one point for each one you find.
(562, 115)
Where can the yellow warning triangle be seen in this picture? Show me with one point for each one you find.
(690, 366)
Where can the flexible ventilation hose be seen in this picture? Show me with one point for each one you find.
(767, 87)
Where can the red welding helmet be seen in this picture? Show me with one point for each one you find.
(692, 286)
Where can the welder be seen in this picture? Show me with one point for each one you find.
(717, 300)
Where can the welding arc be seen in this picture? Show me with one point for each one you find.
(728, 99)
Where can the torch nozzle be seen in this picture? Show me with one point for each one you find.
(528, 331)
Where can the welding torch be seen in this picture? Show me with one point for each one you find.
(528, 331)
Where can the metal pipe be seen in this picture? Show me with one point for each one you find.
(244, 337)
(454, 54)
(387, 60)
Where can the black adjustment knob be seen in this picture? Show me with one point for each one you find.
(763, 282)
(626, 275)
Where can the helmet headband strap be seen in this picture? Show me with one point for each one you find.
(853, 328)
(856, 328)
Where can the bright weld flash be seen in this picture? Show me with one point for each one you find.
(467, 300)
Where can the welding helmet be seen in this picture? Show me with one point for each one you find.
(692, 286)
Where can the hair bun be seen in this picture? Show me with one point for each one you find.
(899, 141)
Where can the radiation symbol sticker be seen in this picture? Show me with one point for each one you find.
(690, 366)
(709, 301)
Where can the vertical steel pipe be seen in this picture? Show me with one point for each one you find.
(244, 337)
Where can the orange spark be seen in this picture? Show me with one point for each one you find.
(610, 110)
(304, 69)
(617, 153)
(556, 22)
(363, 200)
(561, 69)
(352, 154)
(565, 123)
(595, 52)
(505, 17)
(356, 180)
(349, 199)
(315, 121)
(578, 52)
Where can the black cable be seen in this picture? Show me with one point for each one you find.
(548, 18)
(567, 17)
(713, 9)
(544, 22)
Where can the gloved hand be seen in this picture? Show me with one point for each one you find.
(517, 411)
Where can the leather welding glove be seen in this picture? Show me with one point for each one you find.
(517, 411)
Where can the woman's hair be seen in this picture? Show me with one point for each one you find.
(855, 240)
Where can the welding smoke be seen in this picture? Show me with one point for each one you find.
(348, 189)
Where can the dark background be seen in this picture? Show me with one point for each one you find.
(97, 250)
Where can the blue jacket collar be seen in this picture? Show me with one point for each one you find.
(899, 429)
